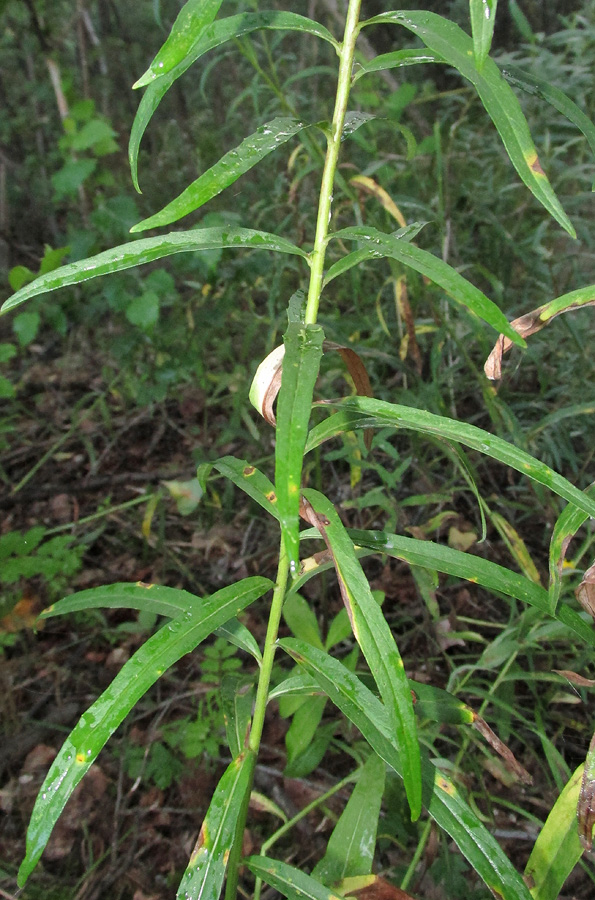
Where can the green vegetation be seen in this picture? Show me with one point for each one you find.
(374, 210)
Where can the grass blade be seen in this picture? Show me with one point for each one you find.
(213, 36)
(440, 796)
(206, 869)
(376, 641)
(457, 287)
(94, 728)
(303, 352)
(225, 171)
(499, 101)
(146, 250)
(364, 412)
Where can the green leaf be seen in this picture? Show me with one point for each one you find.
(376, 641)
(237, 696)
(350, 849)
(365, 412)
(137, 253)
(530, 83)
(206, 869)
(155, 598)
(557, 848)
(304, 728)
(483, 18)
(396, 60)
(353, 259)
(499, 101)
(457, 287)
(245, 476)
(301, 619)
(25, 327)
(67, 180)
(303, 351)
(568, 523)
(227, 170)
(192, 19)
(94, 728)
(440, 796)
(289, 881)
(238, 635)
(213, 36)
(144, 310)
(438, 705)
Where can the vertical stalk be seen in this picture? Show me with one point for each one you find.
(330, 163)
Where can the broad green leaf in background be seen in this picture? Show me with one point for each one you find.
(457, 287)
(350, 849)
(483, 18)
(301, 619)
(303, 351)
(289, 881)
(531, 84)
(376, 641)
(365, 412)
(225, 171)
(568, 523)
(237, 696)
(211, 37)
(245, 476)
(137, 253)
(203, 879)
(557, 848)
(186, 30)
(440, 796)
(499, 101)
(162, 650)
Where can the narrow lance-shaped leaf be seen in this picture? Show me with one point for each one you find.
(440, 796)
(408, 233)
(211, 37)
(146, 250)
(483, 18)
(225, 171)
(557, 848)
(208, 861)
(530, 83)
(303, 351)
(395, 60)
(194, 16)
(568, 523)
(289, 881)
(350, 849)
(499, 101)
(363, 412)
(245, 476)
(150, 661)
(374, 637)
(457, 287)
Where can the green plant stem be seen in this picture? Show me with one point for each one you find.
(260, 705)
(416, 856)
(330, 163)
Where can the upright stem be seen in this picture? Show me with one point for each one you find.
(330, 163)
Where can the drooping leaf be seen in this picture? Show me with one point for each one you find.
(213, 36)
(362, 412)
(289, 881)
(456, 48)
(557, 848)
(146, 250)
(374, 636)
(181, 635)
(225, 171)
(194, 16)
(568, 523)
(530, 83)
(440, 796)
(245, 476)
(457, 287)
(350, 849)
(483, 18)
(303, 351)
(237, 697)
(204, 876)
(156, 598)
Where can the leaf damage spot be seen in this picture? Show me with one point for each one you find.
(248, 471)
(144, 584)
(534, 164)
(445, 785)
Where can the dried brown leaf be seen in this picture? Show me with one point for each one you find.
(501, 749)
(585, 592)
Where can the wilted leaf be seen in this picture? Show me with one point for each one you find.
(364, 183)
(586, 800)
(371, 887)
(501, 749)
(585, 592)
(575, 678)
